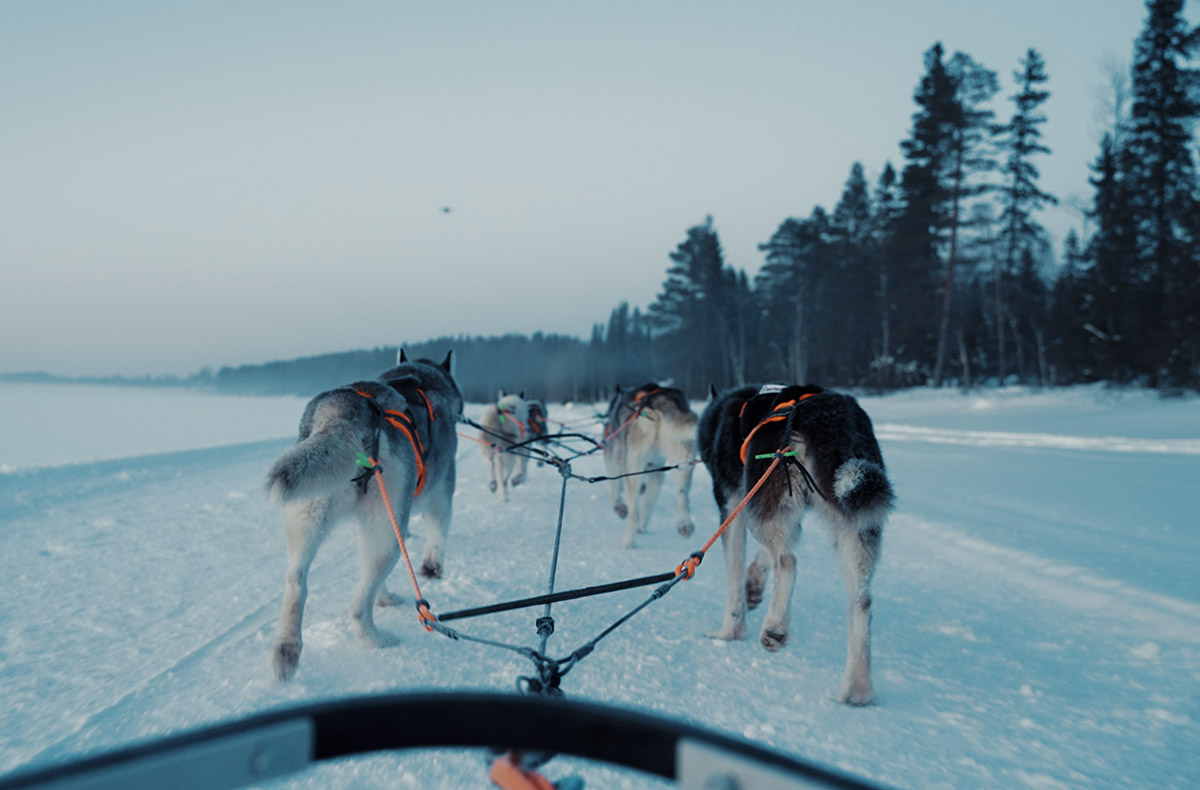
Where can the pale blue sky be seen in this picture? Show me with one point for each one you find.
(190, 184)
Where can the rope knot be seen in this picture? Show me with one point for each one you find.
(687, 568)
(424, 616)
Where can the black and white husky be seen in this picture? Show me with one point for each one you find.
(829, 462)
(405, 420)
(646, 428)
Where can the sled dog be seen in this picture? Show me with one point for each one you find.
(535, 427)
(503, 424)
(834, 467)
(648, 427)
(405, 420)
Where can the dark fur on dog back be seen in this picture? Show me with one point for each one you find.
(839, 446)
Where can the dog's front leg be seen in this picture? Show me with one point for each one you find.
(733, 544)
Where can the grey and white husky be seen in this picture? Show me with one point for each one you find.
(833, 466)
(405, 420)
(646, 428)
(503, 424)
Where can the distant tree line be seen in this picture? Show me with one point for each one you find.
(936, 273)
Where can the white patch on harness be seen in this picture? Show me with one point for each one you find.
(771, 389)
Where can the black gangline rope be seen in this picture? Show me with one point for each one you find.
(551, 670)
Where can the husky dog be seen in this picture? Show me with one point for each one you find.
(535, 427)
(405, 420)
(646, 428)
(833, 466)
(503, 424)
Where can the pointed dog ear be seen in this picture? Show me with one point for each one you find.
(500, 394)
(446, 362)
(712, 391)
(521, 395)
(752, 412)
(400, 358)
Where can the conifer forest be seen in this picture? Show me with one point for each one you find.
(935, 273)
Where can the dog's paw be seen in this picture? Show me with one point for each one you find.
(621, 509)
(376, 638)
(686, 528)
(856, 692)
(773, 639)
(492, 486)
(431, 569)
(386, 598)
(516, 480)
(756, 583)
(727, 634)
(285, 659)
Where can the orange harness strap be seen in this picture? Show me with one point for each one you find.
(638, 398)
(424, 616)
(780, 412)
(687, 568)
(403, 422)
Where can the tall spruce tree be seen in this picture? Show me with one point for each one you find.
(1163, 193)
(851, 284)
(796, 258)
(946, 152)
(1020, 234)
(1114, 288)
(690, 315)
(889, 208)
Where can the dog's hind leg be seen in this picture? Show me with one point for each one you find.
(437, 523)
(858, 551)
(648, 498)
(305, 526)
(378, 552)
(756, 578)
(774, 634)
(733, 544)
(682, 478)
(614, 464)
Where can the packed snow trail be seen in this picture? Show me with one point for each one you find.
(1037, 617)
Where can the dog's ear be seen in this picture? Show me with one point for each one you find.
(712, 391)
(400, 358)
(521, 395)
(752, 412)
(447, 362)
(500, 394)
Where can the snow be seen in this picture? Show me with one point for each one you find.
(1036, 608)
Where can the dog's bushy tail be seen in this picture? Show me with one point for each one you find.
(863, 491)
(316, 466)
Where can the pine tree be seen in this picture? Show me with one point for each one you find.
(945, 153)
(851, 285)
(1114, 287)
(888, 210)
(690, 316)
(1162, 192)
(1020, 233)
(788, 282)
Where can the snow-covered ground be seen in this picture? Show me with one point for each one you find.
(1037, 607)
